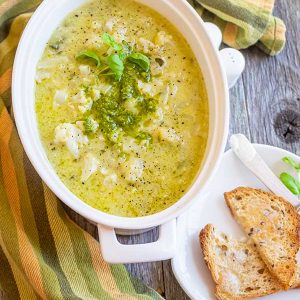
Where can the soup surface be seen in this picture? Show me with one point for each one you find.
(122, 108)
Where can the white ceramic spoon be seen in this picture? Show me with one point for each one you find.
(245, 151)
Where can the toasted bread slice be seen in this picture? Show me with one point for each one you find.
(236, 267)
(297, 280)
(272, 223)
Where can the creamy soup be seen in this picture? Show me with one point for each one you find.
(122, 108)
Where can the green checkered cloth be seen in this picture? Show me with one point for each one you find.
(245, 23)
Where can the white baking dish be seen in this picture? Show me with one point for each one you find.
(39, 29)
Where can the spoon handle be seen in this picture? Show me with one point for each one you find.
(246, 152)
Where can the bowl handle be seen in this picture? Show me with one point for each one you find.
(232, 60)
(115, 252)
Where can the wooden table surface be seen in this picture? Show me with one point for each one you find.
(265, 106)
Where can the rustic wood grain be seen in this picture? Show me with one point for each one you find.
(269, 86)
(272, 84)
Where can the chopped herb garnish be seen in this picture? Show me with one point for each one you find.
(292, 163)
(110, 111)
(90, 55)
(292, 183)
(90, 125)
(126, 50)
(148, 105)
(144, 137)
(129, 88)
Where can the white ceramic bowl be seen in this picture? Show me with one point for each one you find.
(38, 31)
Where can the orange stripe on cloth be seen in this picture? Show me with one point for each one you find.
(24, 289)
(5, 80)
(64, 245)
(101, 267)
(230, 34)
(28, 258)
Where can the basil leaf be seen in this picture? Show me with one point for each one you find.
(110, 41)
(90, 55)
(292, 163)
(291, 183)
(140, 59)
(116, 65)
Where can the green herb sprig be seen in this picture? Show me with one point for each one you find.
(291, 182)
(114, 63)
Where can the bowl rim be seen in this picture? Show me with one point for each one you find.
(215, 144)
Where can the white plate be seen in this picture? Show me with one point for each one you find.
(188, 264)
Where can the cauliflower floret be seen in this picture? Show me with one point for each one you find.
(60, 97)
(102, 88)
(94, 40)
(80, 97)
(168, 134)
(164, 96)
(131, 105)
(129, 145)
(85, 69)
(109, 25)
(159, 115)
(110, 180)
(70, 135)
(148, 46)
(87, 106)
(120, 34)
(162, 38)
(90, 166)
(41, 75)
(104, 171)
(146, 88)
(133, 169)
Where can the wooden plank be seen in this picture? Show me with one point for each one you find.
(239, 122)
(173, 291)
(150, 273)
(272, 85)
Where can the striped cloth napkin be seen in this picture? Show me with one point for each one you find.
(43, 254)
(245, 23)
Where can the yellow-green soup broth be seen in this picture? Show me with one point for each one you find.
(122, 108)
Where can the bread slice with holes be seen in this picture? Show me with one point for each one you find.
(236, 267)
(272, 223)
